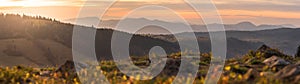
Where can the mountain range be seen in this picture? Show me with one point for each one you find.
(150, 27)
(40, 41)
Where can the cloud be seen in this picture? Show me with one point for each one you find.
(260, 5)
(231, 10)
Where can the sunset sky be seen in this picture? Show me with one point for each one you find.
(232, 11)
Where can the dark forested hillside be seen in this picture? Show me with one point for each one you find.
(285, 39)
(41, 41)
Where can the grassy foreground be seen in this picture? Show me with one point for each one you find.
(251, 68)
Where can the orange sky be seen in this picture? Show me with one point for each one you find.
(232, 11)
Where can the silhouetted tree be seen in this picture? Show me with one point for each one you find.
(298, 52)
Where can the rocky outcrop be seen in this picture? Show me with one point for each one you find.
(263, 48)
(290, 72)
(275, 61)
(269, 52)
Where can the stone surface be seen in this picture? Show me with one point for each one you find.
(275, 61)
(289, 71)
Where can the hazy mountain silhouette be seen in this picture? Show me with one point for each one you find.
(179, 27)
(131, 23)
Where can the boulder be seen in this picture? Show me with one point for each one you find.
(289, 71)
(263, 48)
(268, 52)
(275, 61)
(297, 79)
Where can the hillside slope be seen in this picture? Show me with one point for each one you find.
(284, 39)
(33, 53)
(41, 41)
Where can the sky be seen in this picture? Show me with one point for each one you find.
(231, 11)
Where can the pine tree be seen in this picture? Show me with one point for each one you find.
(298, 53)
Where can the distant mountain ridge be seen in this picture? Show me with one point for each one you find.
(179, 27)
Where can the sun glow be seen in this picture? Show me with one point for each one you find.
(28, 3)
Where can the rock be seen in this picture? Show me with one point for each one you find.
(289, 71)
(268, 52)
(275, 61)
(251, 74)
(297, 79)
(264, 48)
(273, 52)
(69, 67)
